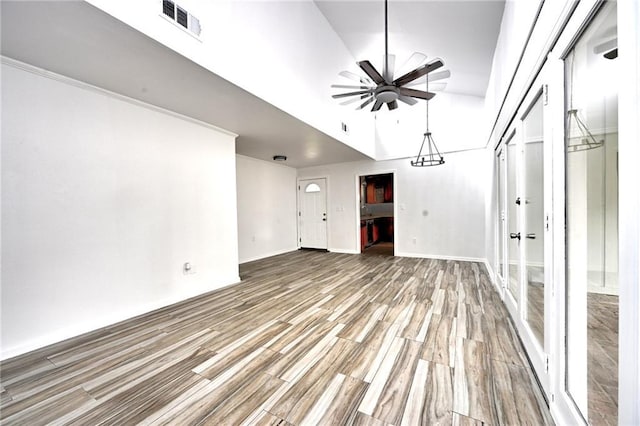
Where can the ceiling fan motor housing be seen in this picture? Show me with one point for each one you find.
(386, 93)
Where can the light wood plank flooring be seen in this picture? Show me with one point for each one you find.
(305, 338)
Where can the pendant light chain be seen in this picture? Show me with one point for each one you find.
(427, 108)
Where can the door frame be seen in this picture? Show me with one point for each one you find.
(540, 355)
(395, 205)
(500, 232)
(299, 232)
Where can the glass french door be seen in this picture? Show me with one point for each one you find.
(591, 188)
(526, 257)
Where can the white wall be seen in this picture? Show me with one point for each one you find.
(441, 207)
(277, 50)
(103, 200)
(399, 133)
(266, 208)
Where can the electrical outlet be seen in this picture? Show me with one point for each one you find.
(414, 240)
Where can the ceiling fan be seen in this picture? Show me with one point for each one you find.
(383, 88)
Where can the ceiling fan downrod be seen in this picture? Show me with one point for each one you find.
(382, 87)
(386, 40)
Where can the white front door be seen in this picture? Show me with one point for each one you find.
(312, 213)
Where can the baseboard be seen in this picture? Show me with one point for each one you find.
(344, 251)
(441, 257)
(492, 274)
(270, 254)
(109, 321)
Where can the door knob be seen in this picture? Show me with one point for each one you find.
(324, 219)
(531, 236)
(514, 236)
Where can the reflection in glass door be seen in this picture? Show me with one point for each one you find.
(591, 148)
(528, 250)
(534, 218)
(512, 272)
(500, 192)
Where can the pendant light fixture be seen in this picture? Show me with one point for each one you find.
(579, 138)
(431, 156)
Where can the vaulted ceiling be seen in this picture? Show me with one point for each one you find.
(80, 41)
(462, 33)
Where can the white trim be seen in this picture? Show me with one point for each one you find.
(629, 208)
(270, 254)
(358, 175)
(86, 86)
(343, 251)
(87, 327)
(482, 260)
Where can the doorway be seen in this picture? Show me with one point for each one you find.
(376, 195)
(591, 206)
(312, 213)
(523, 163)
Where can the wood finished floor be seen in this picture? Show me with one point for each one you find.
(602, 359)
(305, 338)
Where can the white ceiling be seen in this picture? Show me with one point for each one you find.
(462, 33)
(77, 40)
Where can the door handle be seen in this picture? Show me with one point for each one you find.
(531, 236)
(518, 201)
(324, 219)
(514, 236)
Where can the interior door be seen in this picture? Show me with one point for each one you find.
(312, 213)
(528, 272)
(501, 185)
(512, 226)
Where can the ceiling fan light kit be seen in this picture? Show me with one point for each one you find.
(381, 88)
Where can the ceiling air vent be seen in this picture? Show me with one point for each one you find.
(180, 16)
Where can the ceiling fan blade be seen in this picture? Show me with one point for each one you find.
(377, 105)
(390, 66)
(343, 86)
(418, 72)
(433, 87)
(392, 105)
(412, 63)
(355, 99)
(355, 77)
(371, 71)
(436, 76)
(416, 93)
(407, 100)
(367, 102)
(440, 75)
(344, 95)
(437, 87)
